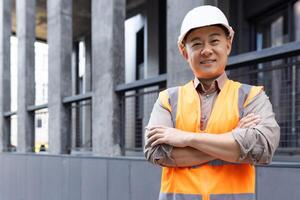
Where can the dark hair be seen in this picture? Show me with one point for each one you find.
(226, 31)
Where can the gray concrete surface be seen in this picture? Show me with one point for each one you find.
(108, 67)
(5, 24)
(64, 177)
(26, 81)
(59, 65)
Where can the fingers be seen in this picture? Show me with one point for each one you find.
(152, 131)
(155, 137)
(249, 121)
(149, 128)
(158, 141)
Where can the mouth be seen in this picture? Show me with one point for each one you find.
(209, 61)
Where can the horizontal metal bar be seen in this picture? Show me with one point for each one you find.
(9, 114)
(134, 149)
(78, 97)
(288, 150)
(289, 49)
(142, 83)
(94, 156)
(279, 164)
(265, 69)
(142, 93)
(37, 107)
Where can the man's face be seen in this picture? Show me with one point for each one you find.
(206, 51)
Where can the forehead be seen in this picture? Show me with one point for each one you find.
(204, 32)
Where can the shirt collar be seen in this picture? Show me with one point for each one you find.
(219, 83)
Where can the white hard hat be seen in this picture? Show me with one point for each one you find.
(203, 16)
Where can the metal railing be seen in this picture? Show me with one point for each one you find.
(80, 106)
(137, 99)
(278, 70)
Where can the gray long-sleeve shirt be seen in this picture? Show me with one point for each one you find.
(257, 144)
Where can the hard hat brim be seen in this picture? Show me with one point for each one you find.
(182, 37)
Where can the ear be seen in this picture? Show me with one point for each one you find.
(183, 52)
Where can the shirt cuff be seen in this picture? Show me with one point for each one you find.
(159, 154)
(248, 142)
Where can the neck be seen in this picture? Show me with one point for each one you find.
(207, 82)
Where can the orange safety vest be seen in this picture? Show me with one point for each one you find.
(216, 180)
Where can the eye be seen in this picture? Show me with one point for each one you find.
(215, 41)
(196, 44)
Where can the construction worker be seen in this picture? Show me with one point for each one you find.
(209, 133)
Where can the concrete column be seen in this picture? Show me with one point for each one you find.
(26, 58)
(178, 69)
(5, 33)
(87, 86)
(60, 61)
(108, 71)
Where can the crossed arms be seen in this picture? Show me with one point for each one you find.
(253, 141)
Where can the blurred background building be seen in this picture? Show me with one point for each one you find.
(78, 79)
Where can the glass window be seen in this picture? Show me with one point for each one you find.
(272, 31)
(296, 9)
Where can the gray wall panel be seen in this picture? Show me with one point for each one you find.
(33, 178)
(118, 179)
(36, 177)
(145, 180)
(12, 162)
(5, 178)
(21, 176)
(52, 178)
(278, 183)
(2, 175)
(65, 178)
(94, 179)
(74, 186)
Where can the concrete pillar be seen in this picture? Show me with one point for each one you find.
(60, 59)
(26, 87)
(108, 70)
(178, 69)
(5, 33)
(87, 86)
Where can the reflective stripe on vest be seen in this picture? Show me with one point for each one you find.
(218, 162)
(173, 98)
(243, 94)
(248, 196)
(174, 196)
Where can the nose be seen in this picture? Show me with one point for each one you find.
(206, 51)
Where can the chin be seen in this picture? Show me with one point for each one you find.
(208, 75)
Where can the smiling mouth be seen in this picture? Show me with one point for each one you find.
(207, 61)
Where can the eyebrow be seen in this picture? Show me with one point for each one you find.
(215, 34)
(211, 35)
(196, 38)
